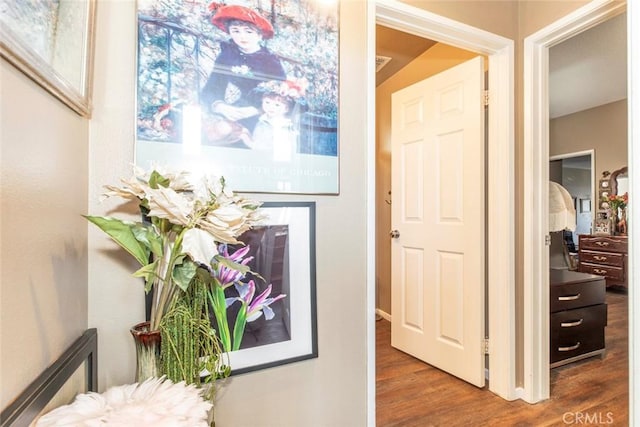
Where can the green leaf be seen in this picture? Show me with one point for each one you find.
(218, 302)
(156, 180)
(149, 273)
(232, 265)
(149, 238)
(238, 329)
(184, 273)
(122, 233)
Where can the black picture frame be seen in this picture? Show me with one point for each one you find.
(297, 312)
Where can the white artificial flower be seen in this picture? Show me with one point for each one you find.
(206, 187)
(167, 203)
(218, 228)
(199, 245)
(230, 214)
(132, 188)
(178, 180)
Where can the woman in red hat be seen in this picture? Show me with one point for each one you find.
(243, 63)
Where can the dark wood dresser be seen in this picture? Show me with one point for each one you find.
(578, 316)
(604, 256)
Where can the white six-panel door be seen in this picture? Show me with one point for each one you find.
(438, 211)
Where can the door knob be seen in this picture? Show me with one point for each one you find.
(394, 234)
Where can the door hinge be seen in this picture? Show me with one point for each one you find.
(547, 240)
(485, 346)
(486, 98)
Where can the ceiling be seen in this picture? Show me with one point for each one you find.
(401, 47)
(585, 71)
(589, 69)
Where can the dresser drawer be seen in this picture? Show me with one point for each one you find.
(605, 258)
(573, 295)
(576, 332)
(615, 273)
(606, 244)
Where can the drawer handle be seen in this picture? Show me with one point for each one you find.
(569, 298)
(600, 258)
(571, 324)
(599, 271)
(573, 347)
(602, 243)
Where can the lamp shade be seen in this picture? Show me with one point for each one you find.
(562, 213)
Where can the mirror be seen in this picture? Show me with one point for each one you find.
(619, 181)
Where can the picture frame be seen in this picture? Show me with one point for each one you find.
(204, 102)
(602, 224)
(284, 256)
(52, 43)
(585, 205)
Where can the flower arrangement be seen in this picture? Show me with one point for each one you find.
(181, 243)
(617, 202)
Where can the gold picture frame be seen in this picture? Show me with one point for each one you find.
(52, 43)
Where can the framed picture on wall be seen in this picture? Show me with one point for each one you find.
(249, 92)
(52, 43)
(282, 256)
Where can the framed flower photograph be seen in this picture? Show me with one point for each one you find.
(281, 292)
(247, 90)
(52, 43)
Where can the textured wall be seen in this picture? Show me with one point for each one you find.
(43, 191)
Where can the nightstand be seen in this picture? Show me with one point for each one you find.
(578, 316)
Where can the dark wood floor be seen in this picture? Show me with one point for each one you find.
(589, 392)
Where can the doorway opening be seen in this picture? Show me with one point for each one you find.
(500, 180)
(536, 176)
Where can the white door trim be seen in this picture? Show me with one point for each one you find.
(633, 102)
(500, 181)
(536, 177)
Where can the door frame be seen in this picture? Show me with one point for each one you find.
(500, 181)
(536, 188)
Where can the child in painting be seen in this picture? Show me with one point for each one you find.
(243, 63)
(275, 130)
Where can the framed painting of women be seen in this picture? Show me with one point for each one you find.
(248, 91)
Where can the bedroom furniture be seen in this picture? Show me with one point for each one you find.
(619, 181)
(578, 316)
(604, 256)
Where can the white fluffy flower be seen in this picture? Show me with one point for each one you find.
(157, 402)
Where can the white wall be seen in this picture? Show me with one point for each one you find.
(43, 192)
(329, 390)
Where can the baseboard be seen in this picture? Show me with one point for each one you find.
(384, 315)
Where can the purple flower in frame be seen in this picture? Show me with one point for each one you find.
(258, 305)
